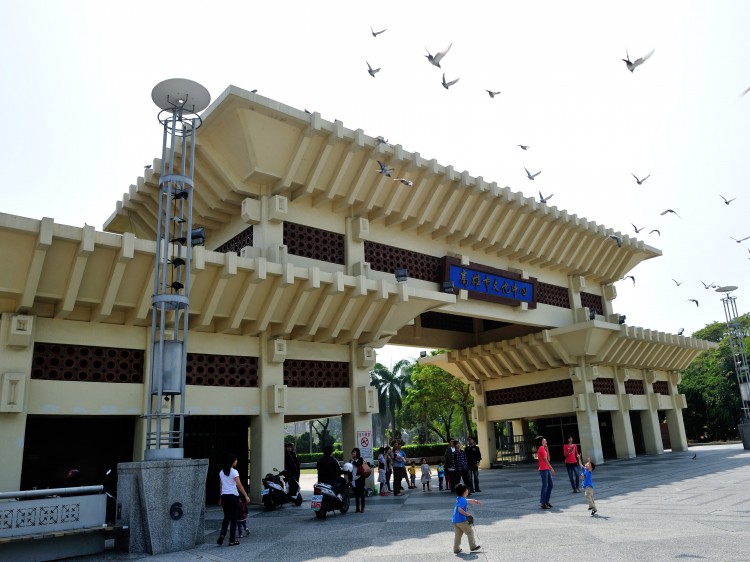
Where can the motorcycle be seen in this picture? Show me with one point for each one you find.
(329, 498)
(279, 489)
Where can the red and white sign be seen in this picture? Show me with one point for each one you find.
(364, 442)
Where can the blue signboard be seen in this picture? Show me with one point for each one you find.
(491, 284)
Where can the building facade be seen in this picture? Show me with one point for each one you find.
(294, 291)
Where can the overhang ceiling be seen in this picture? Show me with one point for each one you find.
(57, 271)
(599, 343)
(251, 146)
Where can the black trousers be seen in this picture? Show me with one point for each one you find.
(230, 504)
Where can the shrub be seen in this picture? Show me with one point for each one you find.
(429, 450)
(315, 457)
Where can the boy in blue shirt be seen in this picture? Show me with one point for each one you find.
(461, 525)
(588, 482)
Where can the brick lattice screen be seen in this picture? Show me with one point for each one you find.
(221, 370)
(388, 259)
(553, 295)
(530, 392)
(61, 362)
(604, 386)
(244, 238)
(594, 302)
(316, 374)
(635, 387)
(314, 243)
(661, 387)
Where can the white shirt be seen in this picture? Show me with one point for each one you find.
(228, 485)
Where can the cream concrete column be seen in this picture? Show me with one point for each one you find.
(357, 231)
(675, 423)
(362, 403)
(621, 426)
(485, 428)
(650, 418)
(17, 336)
(587, 411)
(267, 428)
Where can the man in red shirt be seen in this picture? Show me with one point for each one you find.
(570, 452)
(545, 471)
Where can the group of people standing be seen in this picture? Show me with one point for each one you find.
(462, 465)
(392, 462)
(576, 470)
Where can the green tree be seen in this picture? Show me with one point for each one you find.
(710, 387)
(391, 385)
(437, 402)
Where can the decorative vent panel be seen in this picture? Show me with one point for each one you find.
(553, 295)
(316, 374)
(635, 387)
(604, 386)
(244, 238)
(594, 302)
(661, 387)
(61, 362)
(314, 243)
(389, 259)
(221, 370)
(530, 392)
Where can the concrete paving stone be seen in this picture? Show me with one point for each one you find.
(661, 507)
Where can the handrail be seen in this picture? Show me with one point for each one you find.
(73, 491)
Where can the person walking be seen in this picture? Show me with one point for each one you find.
(462, 520)
(399, 467)
(570, 452)
(230, 488)
(473, 456)
(358, 479)
(545, 472)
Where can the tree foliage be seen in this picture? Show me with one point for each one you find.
(391, 385)
(710, 387)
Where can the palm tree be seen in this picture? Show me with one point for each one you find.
(391, 385)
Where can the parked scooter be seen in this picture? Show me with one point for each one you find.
(279, 489)
(331, 498)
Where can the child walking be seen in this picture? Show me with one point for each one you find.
(412, 475)
(588, 482)
(242, 518)
(462, 520)
(426, 475)
(441, 475)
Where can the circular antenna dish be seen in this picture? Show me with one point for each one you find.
(178, 93)
(727, 289)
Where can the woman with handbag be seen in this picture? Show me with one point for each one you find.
(360, 472)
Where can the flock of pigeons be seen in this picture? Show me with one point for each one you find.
(435, 60)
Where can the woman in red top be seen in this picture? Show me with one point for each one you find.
(570, 451)
(545, 471)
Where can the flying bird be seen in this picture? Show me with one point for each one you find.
(740, 240)
(523, 146)
(693, 300)
(629, 277)
(405, 181)
(372, 71)
(670, 211)
(655, 230)
(616, 239)
(637, 230)
(376, 33)
(491, 93)
(746, 91)
(447, 85)
(385, 170)
(640, 182)
(676, 282)
(638, 62)
(727, 201)
(708, 285)
(147, 166)
(435, 60)
(680, 331)
(543, 199)
(530, 175)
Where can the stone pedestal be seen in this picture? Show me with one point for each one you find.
(162, 503)
(744, 429)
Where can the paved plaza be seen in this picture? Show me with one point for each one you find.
(665, 507)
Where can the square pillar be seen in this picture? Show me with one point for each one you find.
(651, 432)
(356, 426)
(623, 432)
(487, 443)
(588, 430)
(676, 427)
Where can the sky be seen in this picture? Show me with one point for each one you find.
(79, 124)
